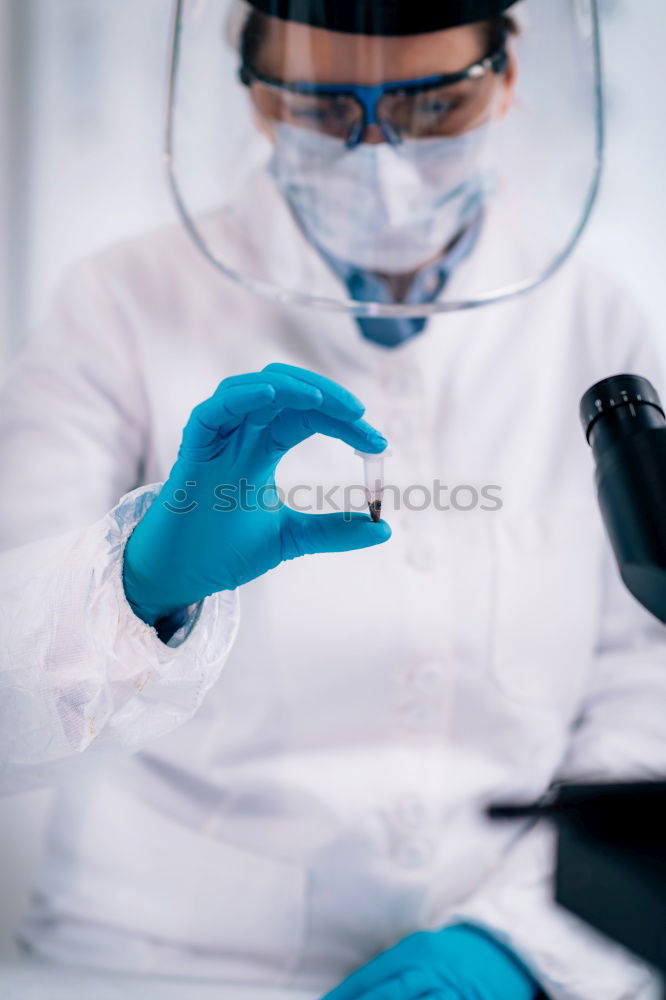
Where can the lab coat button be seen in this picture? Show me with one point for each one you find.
(413, 853)
(429, 677)
(409, 812)
(415, 714)
(403, 381)
(422, 556)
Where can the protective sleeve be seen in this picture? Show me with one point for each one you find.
(78, 670)
(620, 733)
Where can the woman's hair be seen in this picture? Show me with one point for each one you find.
(253, 34)
(252, 37)
(499, 27)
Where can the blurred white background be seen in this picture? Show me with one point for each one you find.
(81, 108)
(82, 122)
(81, 111)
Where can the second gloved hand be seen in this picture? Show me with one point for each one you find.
(457, 963)
(218, 521)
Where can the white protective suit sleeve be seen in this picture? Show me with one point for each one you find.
(620, 733)
(78, 670)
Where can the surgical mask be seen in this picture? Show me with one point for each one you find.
(380, 207)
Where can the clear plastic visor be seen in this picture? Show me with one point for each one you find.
(385, 176)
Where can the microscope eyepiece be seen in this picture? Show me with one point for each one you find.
(625, 402)
(624, 423)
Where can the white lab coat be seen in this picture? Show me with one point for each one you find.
(279, 800)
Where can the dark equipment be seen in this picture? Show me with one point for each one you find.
(611, 852)
(624, 423)
(611, 859)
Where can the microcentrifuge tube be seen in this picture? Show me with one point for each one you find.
(373, 470)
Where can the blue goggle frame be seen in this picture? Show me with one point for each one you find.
(369, 96)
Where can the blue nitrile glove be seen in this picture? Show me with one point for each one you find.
(457, 963)
(218, 521)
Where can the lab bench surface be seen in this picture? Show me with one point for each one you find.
(43, 981)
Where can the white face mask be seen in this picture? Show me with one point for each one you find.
(380, 207)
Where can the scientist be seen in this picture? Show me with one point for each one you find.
(271, 769)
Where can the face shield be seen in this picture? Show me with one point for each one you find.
(314, 143)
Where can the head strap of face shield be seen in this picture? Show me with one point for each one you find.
(383, 17)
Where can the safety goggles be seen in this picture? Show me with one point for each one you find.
(442, 105)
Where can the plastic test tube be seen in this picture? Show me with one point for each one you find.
(373, 469)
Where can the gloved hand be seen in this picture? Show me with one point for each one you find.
(201, 535)
(457, 963)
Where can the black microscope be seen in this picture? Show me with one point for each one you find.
(611, 852)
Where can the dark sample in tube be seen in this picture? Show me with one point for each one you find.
(375, 508)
